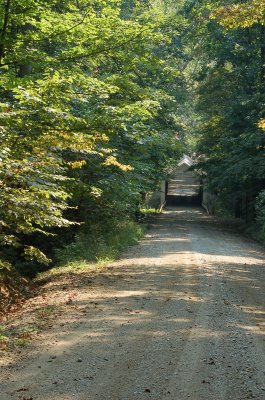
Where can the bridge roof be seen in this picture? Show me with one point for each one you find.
(186, 160)
(183, 182)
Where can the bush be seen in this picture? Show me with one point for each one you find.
(260, 215)
(101, 245)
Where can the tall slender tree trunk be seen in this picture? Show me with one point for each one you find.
(262, 56)
(4, 29)
(25, 68)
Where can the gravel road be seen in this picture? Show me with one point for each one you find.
(180, 316)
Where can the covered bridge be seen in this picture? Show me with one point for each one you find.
(183, 185)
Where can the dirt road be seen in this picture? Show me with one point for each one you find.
(180, 316)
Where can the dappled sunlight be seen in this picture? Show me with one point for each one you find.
(161, 240)
(131, 292)
(179, 297)
(233, 259)
(253, 329)
(254, 311)
(201, 333)
(182, 210)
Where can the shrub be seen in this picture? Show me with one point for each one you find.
(101, 244)
(260, 214)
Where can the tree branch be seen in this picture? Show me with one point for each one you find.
(104, 50)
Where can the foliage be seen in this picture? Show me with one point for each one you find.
(100, 244)
(227, 72)
(241, 15)
(260, 210)
(149, 211)
(88, 95)
(99, 98)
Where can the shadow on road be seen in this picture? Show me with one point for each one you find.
(183, 307)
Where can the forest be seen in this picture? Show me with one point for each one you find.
(100, 98)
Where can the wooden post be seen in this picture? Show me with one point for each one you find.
(163, 193)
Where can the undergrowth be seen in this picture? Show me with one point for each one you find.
(150, 211)
(98, 245)
(91, 249)
(13, 290)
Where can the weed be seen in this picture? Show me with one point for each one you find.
(99, 246)
(21, 342)
(15, 337)
(46, 311)
(3, 338)
(150, 211)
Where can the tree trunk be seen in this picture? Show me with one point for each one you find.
(24, 70)
(262, 56)
(4, 29)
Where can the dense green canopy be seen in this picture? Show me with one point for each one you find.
(88, 92)
(228, 83)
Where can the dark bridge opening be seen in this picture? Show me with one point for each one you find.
(179, 200)
(183, 189)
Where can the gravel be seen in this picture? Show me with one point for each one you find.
(180, 316)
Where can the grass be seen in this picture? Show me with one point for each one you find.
(15, 337)
(22, 342)
(46, 311)
(4, 339)
(150, 211)
(21, 334)
(94, 250)
(70, 267)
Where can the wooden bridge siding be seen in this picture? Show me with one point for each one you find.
(183, 183)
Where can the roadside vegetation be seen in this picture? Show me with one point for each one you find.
(227, 80)
(102, 245)
(88, 92)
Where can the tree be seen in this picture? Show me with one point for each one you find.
(87, 107)
(226, 71)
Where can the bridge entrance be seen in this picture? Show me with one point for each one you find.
(183, 187)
